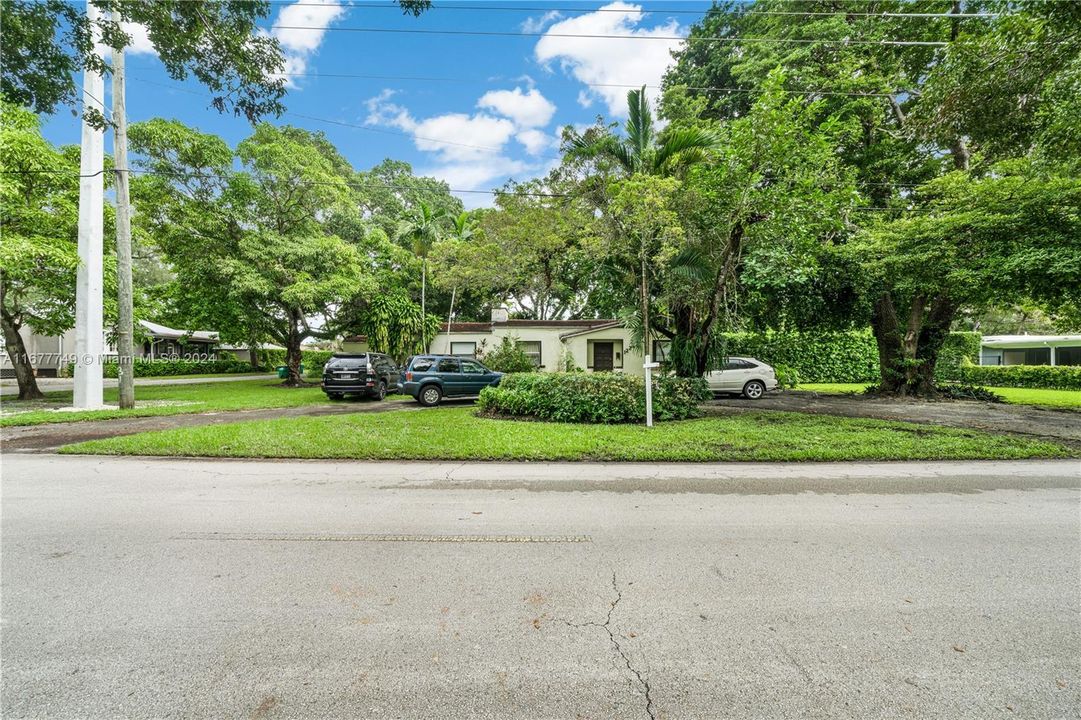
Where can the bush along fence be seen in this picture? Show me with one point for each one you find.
(144, 367)
(592, 397)
(1051, 377)
(840, 357)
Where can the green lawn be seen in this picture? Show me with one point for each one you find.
(457, 434)
(153, 399)
(1016, 396)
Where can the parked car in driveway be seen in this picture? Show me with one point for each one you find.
(368, 374)
(430, 378)
(742, 376)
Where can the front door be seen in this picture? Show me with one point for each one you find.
(602, 357)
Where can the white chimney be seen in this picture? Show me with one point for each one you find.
(499, 315)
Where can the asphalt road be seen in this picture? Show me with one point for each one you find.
(231, 589)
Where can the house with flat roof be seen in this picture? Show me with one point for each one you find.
(1030, 350)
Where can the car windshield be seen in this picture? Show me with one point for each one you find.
(347, 363)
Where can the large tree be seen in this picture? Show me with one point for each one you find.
(39, 193)
(252, 246)
(533, 251)
(931, 95)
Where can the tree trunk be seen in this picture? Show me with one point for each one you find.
(20, 359)
(887, 332)
(125, 349)
(292, 352)
(933, 334)
(423, 303)
(253, 355)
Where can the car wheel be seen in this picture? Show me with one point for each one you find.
(335, 396)
(430, 395)
(381, 392)
(754, 390)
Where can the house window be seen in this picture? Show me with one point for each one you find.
(1027, 356)
(532, 348)
(1068, 356)
(463, 348)
(661, 348)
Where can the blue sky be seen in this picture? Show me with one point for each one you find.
(494, 114)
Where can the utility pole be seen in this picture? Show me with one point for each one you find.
(89, 313)
(125, 350)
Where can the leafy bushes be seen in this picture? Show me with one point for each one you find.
(168, 368)
(592, 397)
(508, 357)
(840, 357)
(1059, 377)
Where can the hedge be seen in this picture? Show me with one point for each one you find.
(592, 397)
(1052, 377)
(840, 357)
(165, 368)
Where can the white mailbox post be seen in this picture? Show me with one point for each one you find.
(648, 366)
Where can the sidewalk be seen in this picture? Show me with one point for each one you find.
(9, 387)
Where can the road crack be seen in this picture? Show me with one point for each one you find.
(614, 640)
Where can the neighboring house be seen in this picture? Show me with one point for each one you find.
(592, 345)
(1030, 350)
(51, 355)
(166, 342)
(355, 344)
(243, 352)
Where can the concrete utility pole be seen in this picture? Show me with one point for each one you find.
(89, 313)
(125, 350)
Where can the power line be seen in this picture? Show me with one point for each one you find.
(355, 126)
(587, 84)
(679, 38)
(658, 11)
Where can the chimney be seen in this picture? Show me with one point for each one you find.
(499, 315)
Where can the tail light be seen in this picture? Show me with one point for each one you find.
(409, 377)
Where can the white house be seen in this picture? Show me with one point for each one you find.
(1030, 350)
(592, 345)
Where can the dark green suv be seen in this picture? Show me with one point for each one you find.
(430, 378)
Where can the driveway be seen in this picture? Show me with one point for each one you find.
(50, 436)
(1059, 425)
(10, 387)
(168, 589)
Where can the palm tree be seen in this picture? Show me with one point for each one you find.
(424, 229)
(463, 227)
(646, 151)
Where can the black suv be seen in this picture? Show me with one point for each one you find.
(368, 374)
(430, 378)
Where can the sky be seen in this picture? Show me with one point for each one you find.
(490, 107)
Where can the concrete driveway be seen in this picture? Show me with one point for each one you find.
(156, 588)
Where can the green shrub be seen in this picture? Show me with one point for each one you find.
(819, 357)
(313, 360)
(958, 349)
(1057, 377)
(508, 357)
(787, 377)
(592, 397)
(840, 357)
(144, 367)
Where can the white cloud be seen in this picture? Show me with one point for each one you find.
(536, 24)
(469, 151)
(140, 39)
(621, 62)
(536, 141)
(300, 29)
(585, 99)
(526, 109)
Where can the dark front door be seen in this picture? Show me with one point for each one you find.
(602, 356)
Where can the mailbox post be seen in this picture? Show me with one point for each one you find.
(648, 367)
